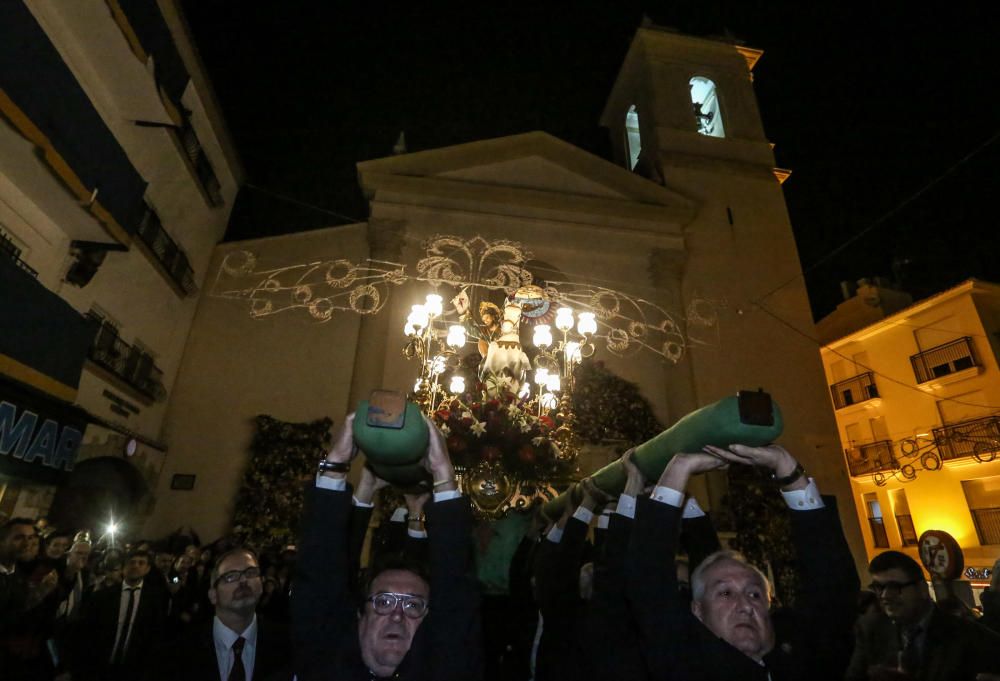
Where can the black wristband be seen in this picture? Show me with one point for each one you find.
(790, 478)
(334, 467)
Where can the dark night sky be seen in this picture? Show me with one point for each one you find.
(866, 104)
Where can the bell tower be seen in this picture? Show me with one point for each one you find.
(683, 114)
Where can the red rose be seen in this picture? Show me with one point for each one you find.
(547, 422)
(442, 415)
(491, 453)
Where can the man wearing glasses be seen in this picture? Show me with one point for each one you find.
(236, 645)
(911, 638)
(411, 625)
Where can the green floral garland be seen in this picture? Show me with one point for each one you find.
(283, 458)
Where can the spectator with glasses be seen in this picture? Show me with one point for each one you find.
(236, 644)
(913, 639)
(412, 625)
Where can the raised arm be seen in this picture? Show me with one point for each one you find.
(323, 614)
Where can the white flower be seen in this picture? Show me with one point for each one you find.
(479, 428)
(525, 427)
(537, 441)
(466, 414)
(513, 410)
(444, 428)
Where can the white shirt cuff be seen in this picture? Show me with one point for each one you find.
(806, 499)
(332, 484)
(666, 495)
(417, 534)
(399, 515)
(360, 504)
(584, 515)
(692, 509)
(626, 506)
(555, 534)
(447, 495)
(603, 519)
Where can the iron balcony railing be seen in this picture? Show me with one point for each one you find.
(906, 530)
(979, 438)
(202, 166)
(871, 458)
(944, 359)
(987, 521)
(173, 259)
(8, 249)
(129, 363)
(854, 390)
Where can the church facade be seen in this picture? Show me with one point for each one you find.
(682, 245)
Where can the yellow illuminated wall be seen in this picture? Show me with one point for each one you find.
(906, 409)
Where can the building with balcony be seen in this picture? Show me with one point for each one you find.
(916, 394)
(116, 181)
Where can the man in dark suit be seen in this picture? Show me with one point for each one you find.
(120, 625)
(235, 645)
(726, 631)
(913, 639)
(409, 627)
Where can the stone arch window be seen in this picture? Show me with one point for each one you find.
(705, 102)
(633, 144)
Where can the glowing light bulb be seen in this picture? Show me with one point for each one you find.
(553, 383)
(432, 304)
(408, 329)
(418, 317)
(549, 401)
(456, 336)
(587, 325)
(543, 336)
(525, 390)
(437, 365)
(457, 385)
(540, 375)
(564, 318)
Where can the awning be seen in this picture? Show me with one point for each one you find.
(45, 341)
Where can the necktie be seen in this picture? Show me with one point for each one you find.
(238, 672)
(119, 653)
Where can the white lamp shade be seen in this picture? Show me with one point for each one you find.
(540, 376)
(549, 401)
(433, 304)
(456, 336)
(437, 365)
(564, 318)
(553, 383)
(457, 385)
(408, 328)
(418, 317)
(543, 336)
(587, 324)
(525, 390)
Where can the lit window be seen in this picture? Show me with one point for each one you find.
(633, 144)
(705, 103)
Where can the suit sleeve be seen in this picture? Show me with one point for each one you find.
(827, 586)
(699, 539)
(323, 616)
(455, 633)
(356, 532)
(651, 586)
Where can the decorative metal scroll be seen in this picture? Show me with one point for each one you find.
(626, 324)
(979, 439)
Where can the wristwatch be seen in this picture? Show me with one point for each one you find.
(790, 478)
(333, 467)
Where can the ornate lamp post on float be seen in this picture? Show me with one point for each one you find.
(511, 441)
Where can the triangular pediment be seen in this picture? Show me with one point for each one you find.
(534, 161)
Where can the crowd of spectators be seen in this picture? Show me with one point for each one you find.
(635, 587)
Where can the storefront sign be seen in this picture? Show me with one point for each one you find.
(39, 436)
